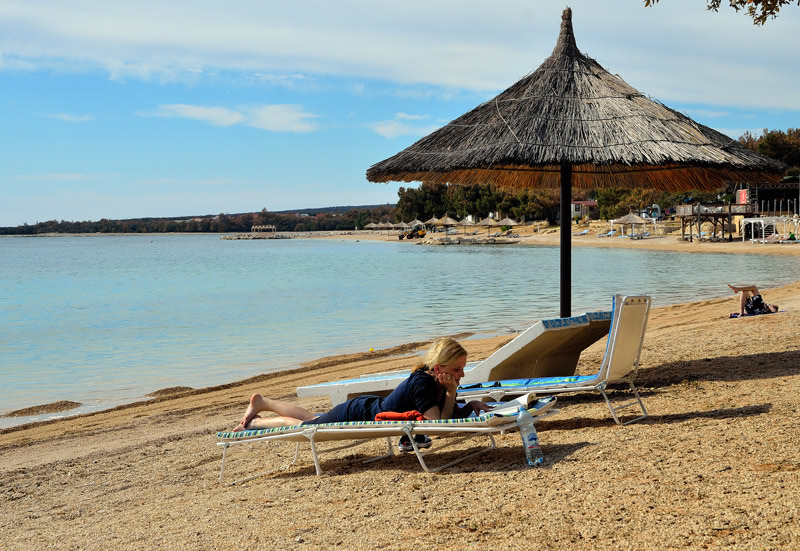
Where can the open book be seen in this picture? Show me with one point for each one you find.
(534, 405)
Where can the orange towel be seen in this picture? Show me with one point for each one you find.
(412, 415)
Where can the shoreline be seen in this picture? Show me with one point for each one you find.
(527, 236)
(715, 465)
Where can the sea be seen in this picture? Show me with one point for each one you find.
(104, 320)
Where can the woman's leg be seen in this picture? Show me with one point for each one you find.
(747, 288)
(288, 414)
(747, 291)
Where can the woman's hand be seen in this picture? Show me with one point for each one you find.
(448, 381)
(478, 406)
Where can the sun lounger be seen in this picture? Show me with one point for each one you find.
(610, 233)
(620, 363)
(547, 348)
(358, 432)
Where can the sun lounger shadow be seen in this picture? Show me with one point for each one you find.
(548, 348)
(620, 364)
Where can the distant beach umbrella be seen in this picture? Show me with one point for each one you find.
(572, 123)
(508, 222)
(630, 220)
(370, 226)
(416, 222)
(431, 221)
(488, 222)
(446, 221)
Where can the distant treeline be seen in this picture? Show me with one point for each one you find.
(330, 219)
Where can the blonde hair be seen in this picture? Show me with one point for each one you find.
(442, 352)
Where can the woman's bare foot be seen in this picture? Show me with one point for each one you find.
(250, 413)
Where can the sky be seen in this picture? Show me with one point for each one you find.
(190, 107)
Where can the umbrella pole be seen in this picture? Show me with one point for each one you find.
(566, 239)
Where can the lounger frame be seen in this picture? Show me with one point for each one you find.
(620, 364)
(362, 432)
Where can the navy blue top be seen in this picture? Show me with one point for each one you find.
(419, 391)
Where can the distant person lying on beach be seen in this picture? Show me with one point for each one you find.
(751, 303)
(430, 390)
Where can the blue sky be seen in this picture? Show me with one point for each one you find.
(175, 108)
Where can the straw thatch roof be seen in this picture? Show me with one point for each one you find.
(446, 221)
(432, 220)
(630, 218)
(370, 226)
(488, 221)
(571, 111)
(508, 222)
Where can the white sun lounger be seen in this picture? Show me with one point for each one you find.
(358, 432)
(547, 348)
(620, 363)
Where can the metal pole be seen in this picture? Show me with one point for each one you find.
(566, 240)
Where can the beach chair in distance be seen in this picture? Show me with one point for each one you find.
(549, 347)
(620, 364)
(500, 420)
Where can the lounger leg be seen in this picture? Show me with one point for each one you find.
(222, 467)
(602, 388)
(409, 430)
(310, 433)
(389, 453)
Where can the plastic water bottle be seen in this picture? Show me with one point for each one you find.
(530, 440)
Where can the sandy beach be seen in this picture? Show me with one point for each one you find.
(715, 466)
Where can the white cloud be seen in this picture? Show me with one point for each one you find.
(66, 117)
(396, 128)
(280, 118)
(676, 51)
(218, 116)
(706, 114)
(275, 118)
(407, 117)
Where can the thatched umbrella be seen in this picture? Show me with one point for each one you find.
(431, 221)
(488, 222)
(508, 222)
(571, 123)
(446, 221)
(629, 219)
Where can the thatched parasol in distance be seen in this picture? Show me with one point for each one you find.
(508, 222)
(446, 221)
(571, 123)
(631, 220)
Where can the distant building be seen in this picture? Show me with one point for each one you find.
(582, 209)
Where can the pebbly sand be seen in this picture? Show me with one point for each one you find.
(715, 465)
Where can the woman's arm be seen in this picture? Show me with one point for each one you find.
(446, 410)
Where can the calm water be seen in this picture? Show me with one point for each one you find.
(104, 320)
